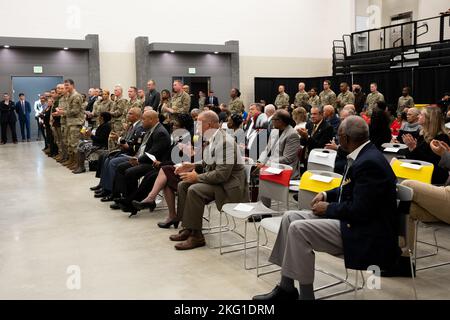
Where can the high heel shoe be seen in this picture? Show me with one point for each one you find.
(166, 225)
(144, 205)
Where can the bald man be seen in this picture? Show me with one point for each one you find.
(156, 143)
(220, 176)
(358, 220)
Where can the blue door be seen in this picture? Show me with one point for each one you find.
(32, 87)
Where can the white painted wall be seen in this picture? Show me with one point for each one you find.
(293, 29)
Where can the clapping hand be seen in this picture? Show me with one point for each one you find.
(332, 145)
(410, 141)
(439, 147)
(318, 205)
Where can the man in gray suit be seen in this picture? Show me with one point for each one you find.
(283, 145)
(222, 179)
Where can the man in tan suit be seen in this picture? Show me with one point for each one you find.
(222, 179)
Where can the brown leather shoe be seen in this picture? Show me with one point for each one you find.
(183, 235)
(194, 241)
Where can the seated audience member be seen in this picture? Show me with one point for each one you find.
(157, 180)
(380, 132)
(317, 132)
(411, 126)
(396, 125)
(341, 157)
(222, 179)
(256, 121)
(234, 122)
(283, 144)
(269, 110)
(358, 219)
(97, 141)
(156, 143)
(430, 202)
(129, 144)
(300, 116)
(330, 116)
(433, 128)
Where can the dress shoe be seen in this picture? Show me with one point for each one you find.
(195, 240)
(183, 235)
(102, 194)
(144, 205)
(115, 206)
(277, 294)
(97, 187)
(107, 199)
(402, 268)
(167, 225)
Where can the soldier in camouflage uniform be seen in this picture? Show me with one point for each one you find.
(75, 117)
(282, 99)
(236, 106)
(314, 100)
(302, 97)
(405, 101)
(345, 97)
(134, 102)
(327, 96)
(181, 101)
(373, 98)
(61, 109)
(118, 111)
(101, 105)
(55, 120)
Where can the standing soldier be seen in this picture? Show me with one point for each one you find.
(134, 101)
(314, 100)
(56, 122)
(405, 101)
(181, 101)
(345, 97)
(236, 106)
(282, 99)
(302, 97)
(61, 109)
(103, 104)
(118, 110)
(75, 119)
(373, 98)
(327, 96)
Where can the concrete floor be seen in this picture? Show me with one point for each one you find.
(50, 221)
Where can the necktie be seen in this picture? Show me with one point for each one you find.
(314, 129)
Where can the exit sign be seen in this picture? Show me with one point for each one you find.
(192, 71)
(38, 69)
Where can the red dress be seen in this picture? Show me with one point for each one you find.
(395, 127)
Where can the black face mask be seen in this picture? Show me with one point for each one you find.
(357, 90)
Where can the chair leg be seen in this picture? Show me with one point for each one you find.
(412, 273)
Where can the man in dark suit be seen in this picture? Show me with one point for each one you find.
(156, 143)
(23, 109)
(8, 119)
(211, 100)
(129, 144)
(318, 132)
(153, 97)
(359, 219)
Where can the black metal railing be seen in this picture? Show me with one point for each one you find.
(405, 36)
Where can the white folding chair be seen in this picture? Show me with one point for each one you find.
(305, 197)
(322, 159)
(267, 189)
(435, 226)
(249, 163)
